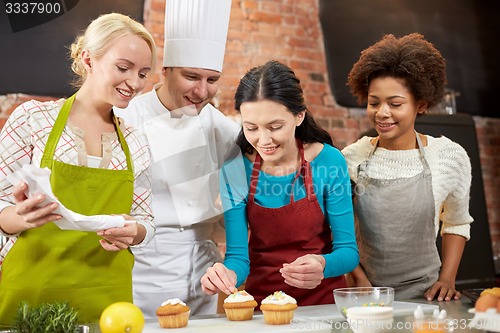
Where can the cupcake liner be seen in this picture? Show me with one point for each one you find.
(174, 321)
(239, 314)
(278, 317)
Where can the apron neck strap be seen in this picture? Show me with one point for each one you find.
(58, 128)
(55, 133)
(255, 176)
(421, 153)
(130, 165)
(304, 171)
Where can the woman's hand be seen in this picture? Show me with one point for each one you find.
(305, 272)
(27, 213)
(443, 290)
(451, 254)
(218, 278)
(116, 239)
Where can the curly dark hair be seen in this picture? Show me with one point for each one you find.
(411, 58)
(277, 82)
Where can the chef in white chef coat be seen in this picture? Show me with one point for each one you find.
(190, 140)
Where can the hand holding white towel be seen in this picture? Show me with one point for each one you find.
(38, 181)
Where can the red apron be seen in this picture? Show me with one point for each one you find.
(281, 235)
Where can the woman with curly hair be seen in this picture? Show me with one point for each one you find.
(406, 182)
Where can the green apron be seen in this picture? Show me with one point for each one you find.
(48, 264)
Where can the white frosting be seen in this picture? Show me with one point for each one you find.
(279, 298)
(173, 301)
(238, 297)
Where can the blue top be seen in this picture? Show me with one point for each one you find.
(332, 186)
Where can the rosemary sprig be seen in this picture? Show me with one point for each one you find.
(56, 317)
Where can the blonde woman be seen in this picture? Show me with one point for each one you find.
(98, 166)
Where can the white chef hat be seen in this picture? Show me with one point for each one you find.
(196, 33)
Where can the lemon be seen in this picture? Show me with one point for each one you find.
(121, 317)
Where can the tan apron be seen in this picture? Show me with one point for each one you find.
(48, 264)
(397, 241)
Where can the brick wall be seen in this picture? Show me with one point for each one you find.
(289, 31)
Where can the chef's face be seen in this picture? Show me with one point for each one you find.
(392, 108)
(120, 73)
(270, 128)
(189, 87)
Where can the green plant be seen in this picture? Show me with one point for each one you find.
(56, 317)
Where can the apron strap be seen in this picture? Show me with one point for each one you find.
(255, 176)
(58, 128)
(305, 171)
(121, 138)
(421, 151)
(56, 132)
(363, 166)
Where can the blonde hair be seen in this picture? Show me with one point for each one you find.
(98, 38)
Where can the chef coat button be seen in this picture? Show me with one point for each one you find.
(197, 165)
(190, 203)
(181, 229)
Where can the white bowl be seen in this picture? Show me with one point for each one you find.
(365, 319)
(363, 297)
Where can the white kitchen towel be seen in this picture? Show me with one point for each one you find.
(38, 181)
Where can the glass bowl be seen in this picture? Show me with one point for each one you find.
(362, 296)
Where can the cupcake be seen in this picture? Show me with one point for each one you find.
(173, 313)
(278, 308)
(239, 306)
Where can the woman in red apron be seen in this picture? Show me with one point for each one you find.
(407, 183)
(290, 191)
(90, 157)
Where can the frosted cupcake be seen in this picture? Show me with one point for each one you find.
(278, 308)
(173, 313)
(239, 306)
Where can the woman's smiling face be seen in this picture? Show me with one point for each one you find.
(270, 128)
(392, 109)
(120, 73)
